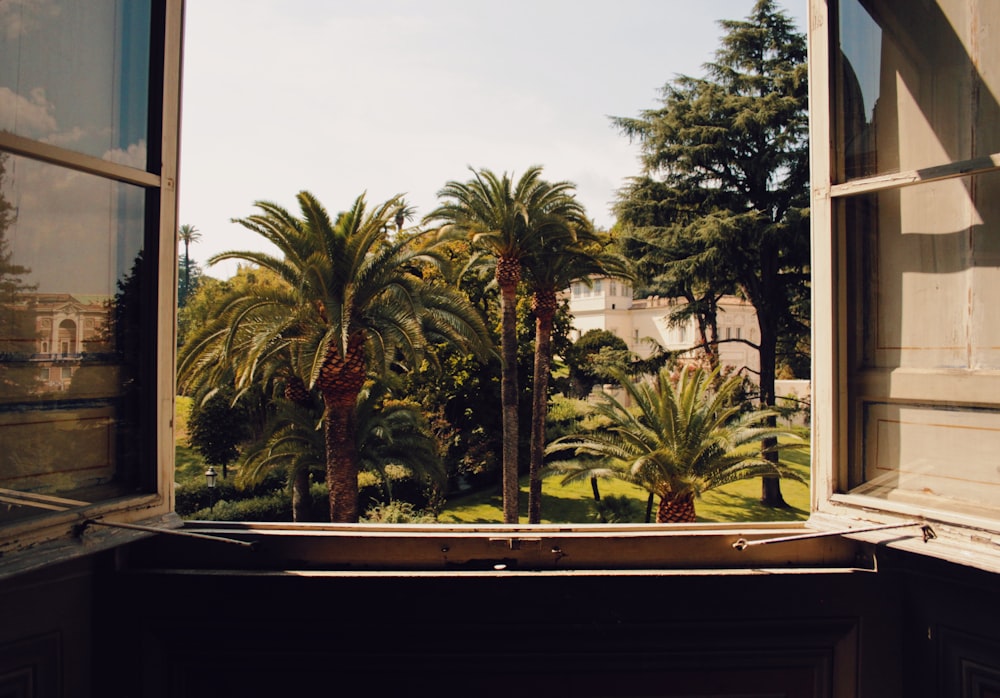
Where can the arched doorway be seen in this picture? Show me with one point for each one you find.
(66, 337)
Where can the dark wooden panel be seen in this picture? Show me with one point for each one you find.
(31, 668)
(794, 636)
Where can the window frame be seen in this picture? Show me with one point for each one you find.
(962, 538)
(62, 526)
(506, 549)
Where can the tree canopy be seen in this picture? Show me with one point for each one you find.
(722, 202)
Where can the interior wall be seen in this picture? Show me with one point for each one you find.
(97, 627)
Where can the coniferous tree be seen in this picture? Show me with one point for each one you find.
(16, 322)
(723, 197)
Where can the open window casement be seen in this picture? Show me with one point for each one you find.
(88, 141)
(906, 272)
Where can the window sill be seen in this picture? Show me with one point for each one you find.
(335, 550)
(43, 540)
(959, 538)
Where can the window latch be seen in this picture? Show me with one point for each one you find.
(927, 532)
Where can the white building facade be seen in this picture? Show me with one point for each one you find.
(607, 304)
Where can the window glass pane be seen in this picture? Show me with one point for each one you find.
(70, 334)
(926, 264)
(925, 268)
(76, 75)
(916, 84)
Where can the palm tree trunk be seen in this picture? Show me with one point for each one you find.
(544, 311)
(508, 397)
(339, 382)
(341, 463)
(676, 508)
(296, 391)
(301, 500)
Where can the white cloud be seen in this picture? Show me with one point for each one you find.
(70, 225)
(132, 156)
(30, 116)
(19, 17)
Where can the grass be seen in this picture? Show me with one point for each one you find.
(738, 501)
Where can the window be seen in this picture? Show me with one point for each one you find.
(88, 123)
(909, 261)
(905, 260)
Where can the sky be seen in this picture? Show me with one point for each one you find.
(384, 97)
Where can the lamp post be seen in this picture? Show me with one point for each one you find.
(210, 478)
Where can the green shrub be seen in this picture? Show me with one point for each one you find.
(192, 494)
(616, 508)
(396, 512)
(274, 507)
(402, 486)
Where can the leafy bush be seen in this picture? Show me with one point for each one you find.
(396, 512)
(616, 508)
(399, 484)
(274, 507)
(191, 494)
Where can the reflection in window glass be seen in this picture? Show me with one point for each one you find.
(70, 332)
(910, 90)
(927, 263)
(76, 75)
(926, 267)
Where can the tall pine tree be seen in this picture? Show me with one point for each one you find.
(17, 333)
(722, 201)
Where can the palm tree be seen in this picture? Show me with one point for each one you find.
(271, 388)
(394, 432)
(549, 270)
(292, 442)
(680, 440)
(188, 234)
(508, 220)
(389, 432)
(353, 303)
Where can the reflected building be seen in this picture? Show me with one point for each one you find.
(67, 328)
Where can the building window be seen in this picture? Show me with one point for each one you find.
(88, 153)
(613, 290)
(597, 287)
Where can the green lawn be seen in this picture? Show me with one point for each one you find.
(739, 501)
